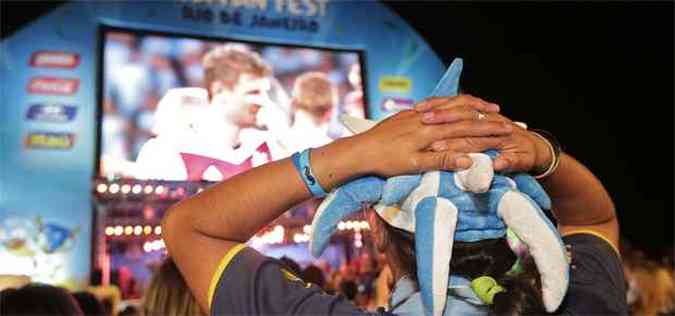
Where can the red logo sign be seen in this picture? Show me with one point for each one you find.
(54, 59)
(53, 85)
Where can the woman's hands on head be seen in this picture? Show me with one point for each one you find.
(520, 151)
(402, 143)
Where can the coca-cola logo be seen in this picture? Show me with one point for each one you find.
(54, 59)
(52, 85)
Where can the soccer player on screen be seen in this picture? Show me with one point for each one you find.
(314, 99)
(221, 130)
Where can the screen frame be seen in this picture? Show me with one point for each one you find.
(103, 29)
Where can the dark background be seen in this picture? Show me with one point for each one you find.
(597, 75)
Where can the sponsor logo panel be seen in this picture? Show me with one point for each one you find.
(396, 103)
(54, 59)
(53, 85)
(53, 113)
(49, 140)
(400, 84)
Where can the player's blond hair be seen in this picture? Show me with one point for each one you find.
(228, 62)
(314, 89)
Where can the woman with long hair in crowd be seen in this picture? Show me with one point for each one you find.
(651, 284)
(168, 294)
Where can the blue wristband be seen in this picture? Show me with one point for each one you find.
(301, 163)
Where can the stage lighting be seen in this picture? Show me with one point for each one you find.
(101, 188)
(298, 238)
(358, 240)
(159, 190)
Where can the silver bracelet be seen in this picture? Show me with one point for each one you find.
(554, 147)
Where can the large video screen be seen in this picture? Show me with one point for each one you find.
(183, 108)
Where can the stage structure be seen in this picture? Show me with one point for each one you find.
(112, 111)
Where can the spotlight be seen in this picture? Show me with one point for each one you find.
(298, 238)
(114, 188)
(128, 230)
(158, 230)
(138, 230)
(109, 231)
(137, 188)
(101, 188)
(147, 229)
(119, 230)
(148, 189)
(159, 190)
(126, 188)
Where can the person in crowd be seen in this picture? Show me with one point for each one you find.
(333, 282)
(349, 289)
(435, 136)
(38, 299)
(650, 285)
(168, 294)
(130, 310)
(312, 274)
(383, 284)
(109, 295)
(10, 281)
(89, 304)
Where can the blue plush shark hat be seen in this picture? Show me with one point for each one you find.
(440, 207)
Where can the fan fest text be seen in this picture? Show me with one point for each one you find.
(301, 14)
